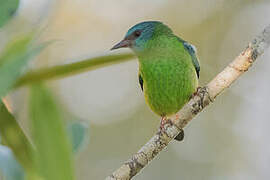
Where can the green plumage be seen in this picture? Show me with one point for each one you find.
(168, 74)
(168, 67)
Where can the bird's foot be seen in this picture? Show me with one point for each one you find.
(196, 92)
(165, 120)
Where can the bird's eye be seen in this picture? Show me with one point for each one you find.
(137, 33)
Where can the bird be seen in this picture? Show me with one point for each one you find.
(168, 67)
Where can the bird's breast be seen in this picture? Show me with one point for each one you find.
(168, 84)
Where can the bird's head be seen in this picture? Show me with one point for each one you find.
(137, 37)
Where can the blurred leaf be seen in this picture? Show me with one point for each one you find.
(79, 135)
(14, 58)
(72, 69)
(7, 10)
(13, 137)
(53, 148)
(10, 168)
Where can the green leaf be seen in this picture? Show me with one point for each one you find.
(13, 60)
(9, 167)
(79, 135)
(72, 69)
(13, 137)
(54, 156)
(7, 10)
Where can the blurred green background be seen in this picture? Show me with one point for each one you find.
(229, 140)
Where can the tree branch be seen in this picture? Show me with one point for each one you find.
(204, 97)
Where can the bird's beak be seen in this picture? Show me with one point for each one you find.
(122, 44)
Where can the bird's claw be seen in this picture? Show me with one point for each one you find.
(196, 92)
(163, 121)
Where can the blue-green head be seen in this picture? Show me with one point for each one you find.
(137, 37)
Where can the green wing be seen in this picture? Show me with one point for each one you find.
(192, 51)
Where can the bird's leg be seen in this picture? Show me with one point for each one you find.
(196, 92)
(181, 134)
(163, 122)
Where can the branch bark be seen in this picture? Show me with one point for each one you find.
(204, 97)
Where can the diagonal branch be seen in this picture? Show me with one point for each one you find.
(204, 97)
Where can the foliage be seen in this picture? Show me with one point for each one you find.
(72, 69)
(7, 10)
(53, 154)
(78, 133)
(12, 61)
(49, 156)
(13, 137)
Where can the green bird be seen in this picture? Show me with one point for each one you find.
(168, 67)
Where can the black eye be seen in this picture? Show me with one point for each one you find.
(137, 33)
